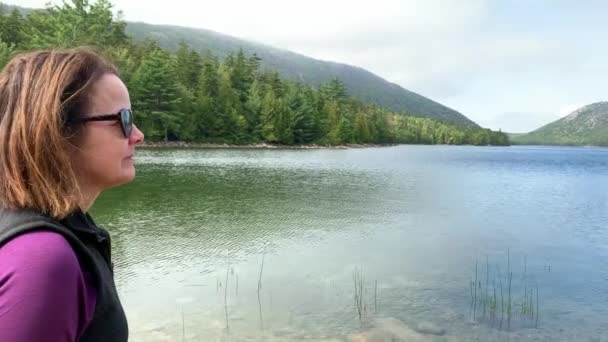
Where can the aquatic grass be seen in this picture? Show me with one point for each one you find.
(260, 291)
(225, 285)
(361, 302)
(359, 281)
(502, 297)
(376, 297)
(489, 303)
(537, 307)
(226, 298)
(474, 299)
(183, 326)
(510, 282)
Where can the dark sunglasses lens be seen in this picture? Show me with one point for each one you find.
(126, 120)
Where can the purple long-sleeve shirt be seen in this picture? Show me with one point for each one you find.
(44, 293)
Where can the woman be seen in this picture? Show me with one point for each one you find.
(66, 134)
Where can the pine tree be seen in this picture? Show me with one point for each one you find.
(156, 96)
(188, 65)
(73, 24)
(253, 108)
(361, 132)
(207, 100)
(302, 115)
(127, 61)
(11, 26)
(229, 107)
(6, 50)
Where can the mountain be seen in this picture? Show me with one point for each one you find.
(585, 126)
(9, 8)
(360, 83)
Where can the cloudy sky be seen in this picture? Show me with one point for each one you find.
(512, 65)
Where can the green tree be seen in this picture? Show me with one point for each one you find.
(188, 65)
(74, 24)
(242, 72)
(229, 109)
(302, 111)
(253, 108)
(6, 50)
(361, 132)
(11, 27)
(276, 120)
(345, 131)
(127, 60)
(335, 90)
(156, 96)
(207, 121)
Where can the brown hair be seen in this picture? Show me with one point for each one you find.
(39, 93)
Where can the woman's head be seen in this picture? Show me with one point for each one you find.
(53, 157)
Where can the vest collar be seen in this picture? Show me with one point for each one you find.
(82, 223)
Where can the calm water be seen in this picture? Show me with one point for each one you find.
(412, 220)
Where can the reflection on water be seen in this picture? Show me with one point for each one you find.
(191, 233)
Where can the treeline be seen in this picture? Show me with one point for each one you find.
(191, 97)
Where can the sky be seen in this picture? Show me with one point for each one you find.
(513, 65)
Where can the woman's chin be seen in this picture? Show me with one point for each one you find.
(126, 176)
(129, 174)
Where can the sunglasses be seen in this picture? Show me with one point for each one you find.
(125, 116)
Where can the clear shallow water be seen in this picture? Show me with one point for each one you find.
(412, 219)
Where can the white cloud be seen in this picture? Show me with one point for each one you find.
(569, 108)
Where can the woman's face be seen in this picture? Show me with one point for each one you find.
(104, 156)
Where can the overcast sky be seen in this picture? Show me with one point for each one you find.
(513, 65)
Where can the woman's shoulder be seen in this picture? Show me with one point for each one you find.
(39, 253)
(46, 296)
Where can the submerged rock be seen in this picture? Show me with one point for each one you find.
(400, 331)
(394, 330)
(374, 335)
(429, 328)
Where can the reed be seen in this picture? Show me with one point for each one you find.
(496, 299)
(260, 291)
(376, 297)
(359, 281)
(226, 298)
(183, 326)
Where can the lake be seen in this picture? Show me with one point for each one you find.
(276, 245)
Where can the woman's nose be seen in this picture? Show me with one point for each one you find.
(137, 136)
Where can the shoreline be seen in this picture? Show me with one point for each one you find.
(181, 144)
(267, 146)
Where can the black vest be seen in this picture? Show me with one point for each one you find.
(92, 246)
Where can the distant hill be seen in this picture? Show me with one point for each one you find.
(9, 8)
(360, 83)
(585, 126)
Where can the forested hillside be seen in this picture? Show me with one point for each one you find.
(186, 96)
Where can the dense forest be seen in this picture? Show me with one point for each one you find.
(360, 83)
(186, 96)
